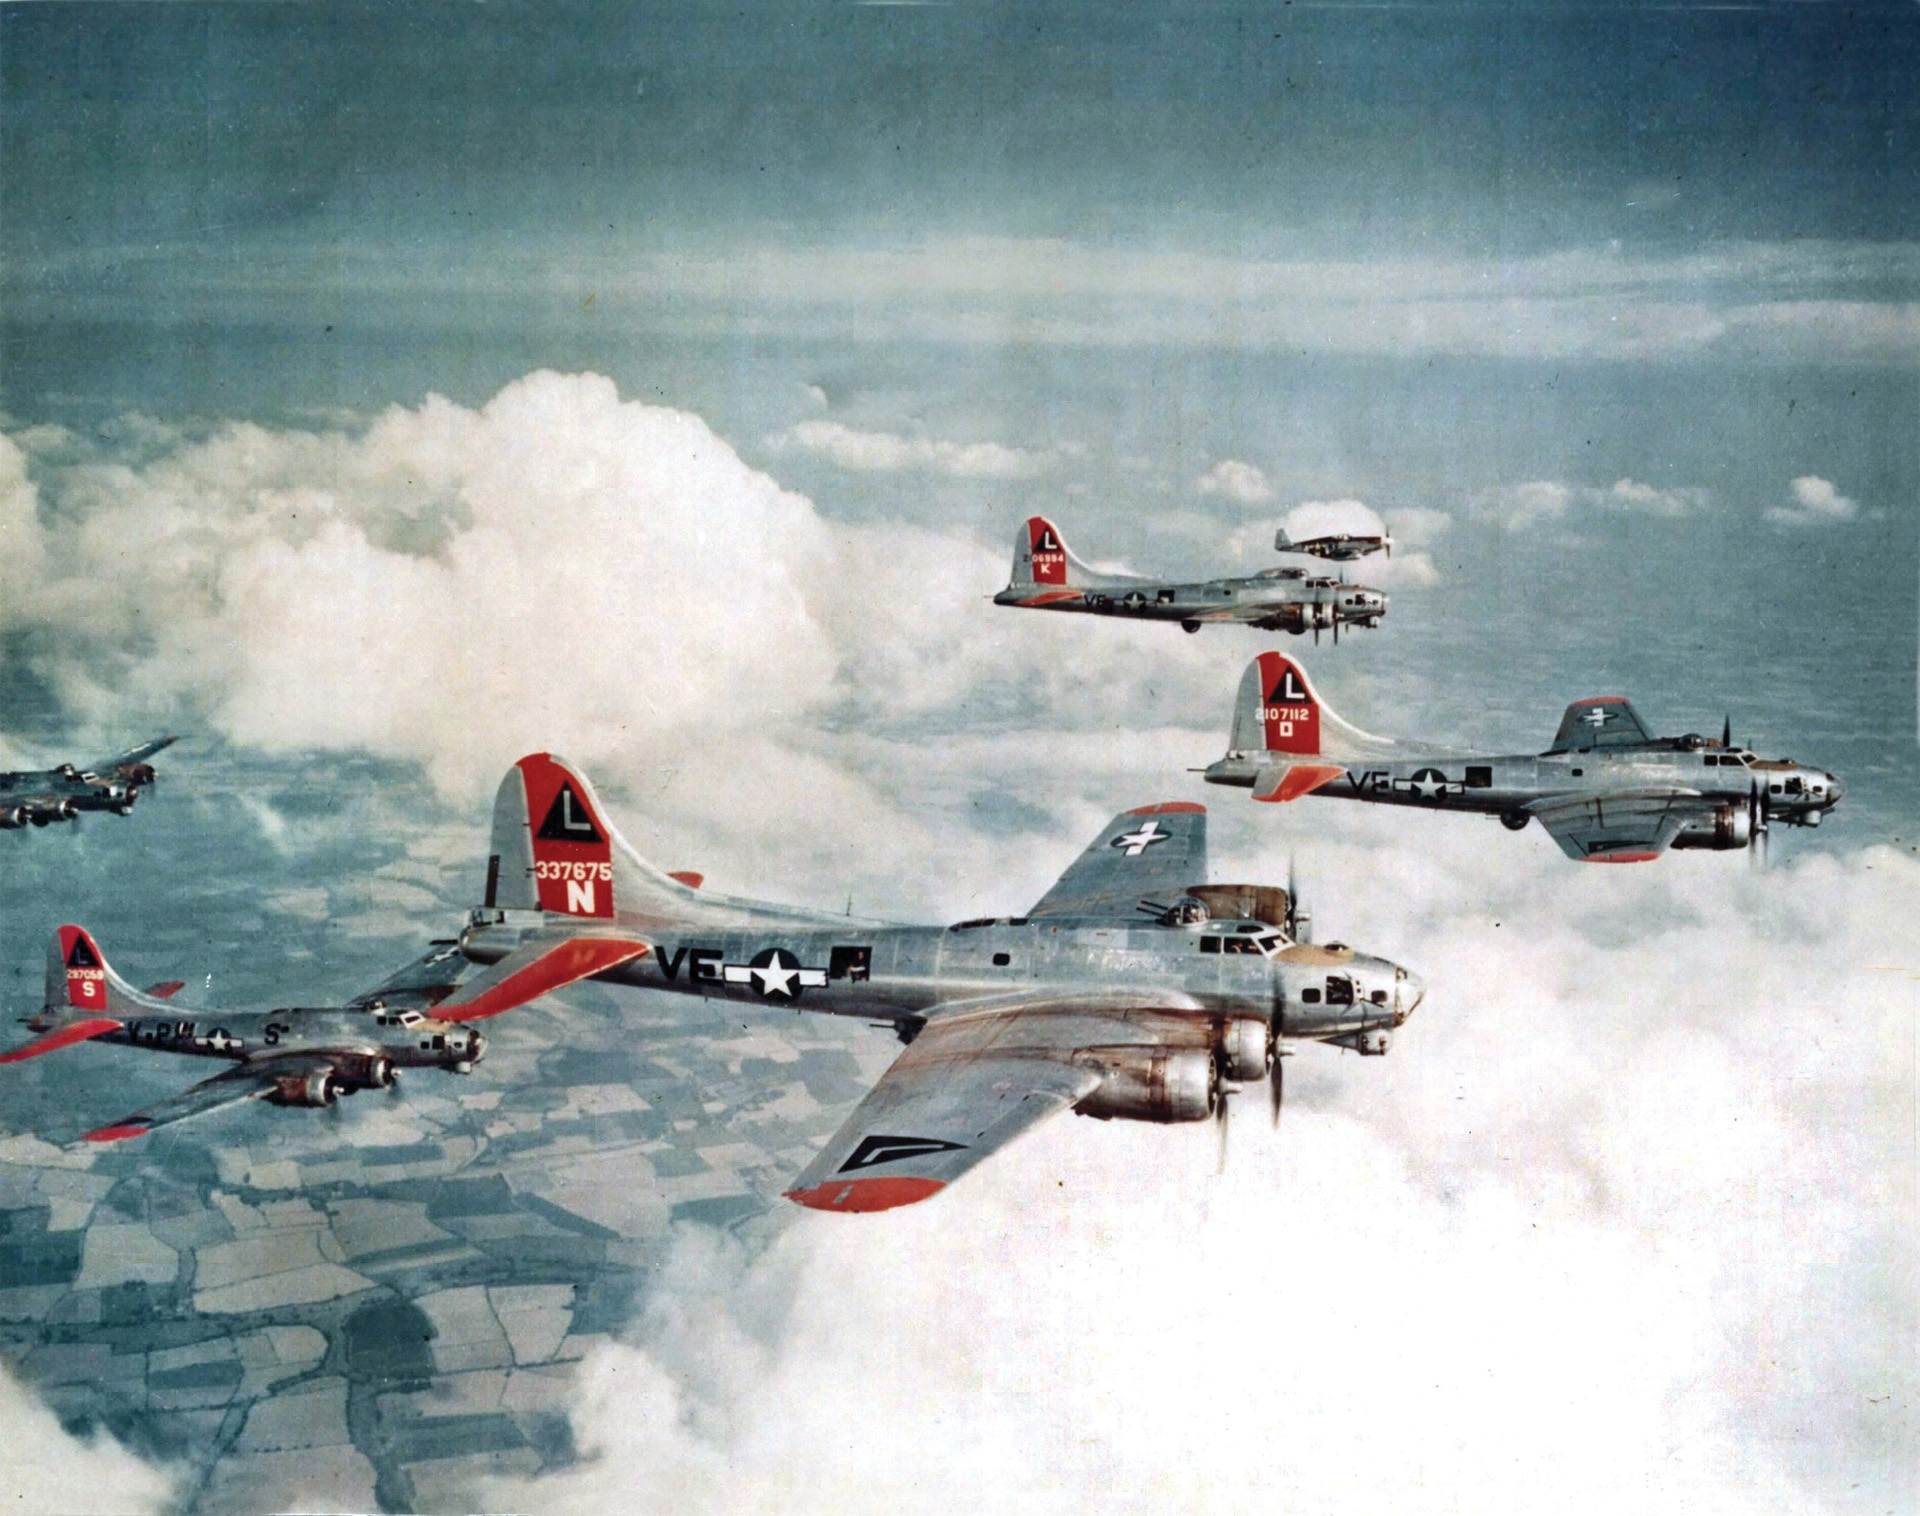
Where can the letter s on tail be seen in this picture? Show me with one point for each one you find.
(1277, 710)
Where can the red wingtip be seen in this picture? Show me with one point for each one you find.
(166, 989)
(1640, 857)
(689, 878)
(1603, 700)
(865, 1194)
(1170, 808)
(118, 1133)
(80, 1031)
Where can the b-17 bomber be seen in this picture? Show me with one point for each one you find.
(1133, 989)
(1607, 790)
(40, 797)
(296, 1055)
(1048, 576)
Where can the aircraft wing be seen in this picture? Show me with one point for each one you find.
(535, 969)
(1626, 828)
(138, 754)
(971, 1082)
(1151, 854)
(252, 1080)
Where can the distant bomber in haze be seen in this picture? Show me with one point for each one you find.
(1132, 989)
(1047, 576)
(295, 1055)
(1607, 790)
(61, 794)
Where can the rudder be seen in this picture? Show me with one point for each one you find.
(1277, 710)
(554, 850)
(80, 981)
(1040, 554)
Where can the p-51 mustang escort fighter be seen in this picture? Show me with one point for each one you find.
(296, 1055)
(1047, 576)
(1607, 791)
(1336, 547)
(1131, 989)
(61, 794)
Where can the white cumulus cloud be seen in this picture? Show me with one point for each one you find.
(1519, 506)
(1244, 482)
(49, 1472)
(1815, 503)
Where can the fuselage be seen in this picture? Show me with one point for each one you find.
(60, 794)
(1505, 786)
(1278, 600)
(911, 974)
(404, 1039)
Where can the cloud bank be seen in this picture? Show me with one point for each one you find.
(1519, 506)
(49, 1472)
(887, 453)
(556, 569)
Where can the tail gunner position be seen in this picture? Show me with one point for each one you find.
(1047, 576)
(1131, 989)
(1607, 791)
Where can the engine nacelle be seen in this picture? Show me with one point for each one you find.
(1151, 1084)
(13, 817)
(320, 1087)
(1246, 1045)
(1731, 826)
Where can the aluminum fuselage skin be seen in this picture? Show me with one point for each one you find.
(1268, 601)
(909, 974)
(345, 1035)
(1507, 785)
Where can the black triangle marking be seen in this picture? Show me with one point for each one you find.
(1047, 542)
(877, 1149)
(569, 820)
(83, 955)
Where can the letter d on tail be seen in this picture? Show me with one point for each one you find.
(1277, 710)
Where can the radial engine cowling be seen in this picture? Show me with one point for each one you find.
(1151, 1084)
(13, 817)
(1245, 1045)
(1730, 826)
(318, 1087)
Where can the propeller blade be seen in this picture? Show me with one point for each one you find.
(1726, 731)
(1277, 1086)
(1220, 1125)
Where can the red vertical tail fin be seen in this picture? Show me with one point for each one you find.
(554, 850)
(1040, 554)
(1277, 710)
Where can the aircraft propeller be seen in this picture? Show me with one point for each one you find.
(1726, 731)
(1757, 813)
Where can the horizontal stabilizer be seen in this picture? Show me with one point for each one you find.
(536, 970)
(66, 1036)
(1289, 781)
